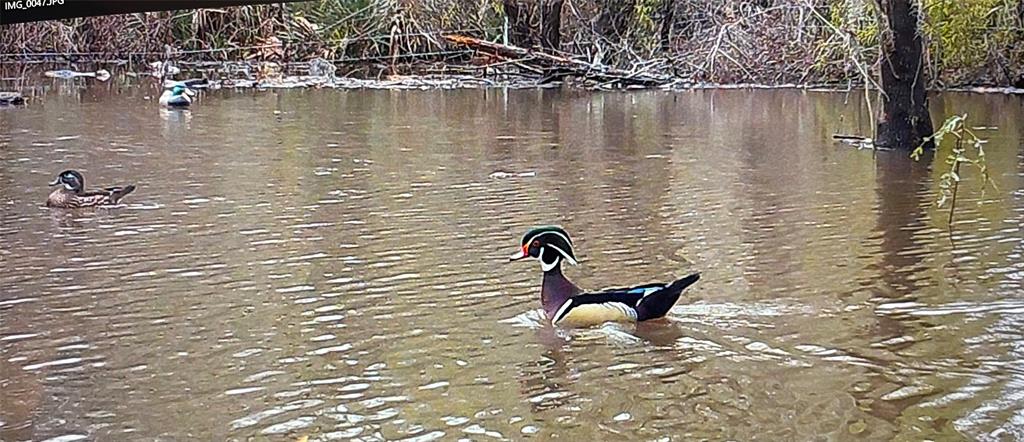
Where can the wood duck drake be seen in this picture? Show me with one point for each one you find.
(72, 194)
(177, 96)
(566, 304)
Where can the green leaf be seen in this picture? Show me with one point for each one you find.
(916, 154)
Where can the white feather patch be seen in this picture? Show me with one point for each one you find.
(568, 258)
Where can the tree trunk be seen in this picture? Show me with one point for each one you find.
(668, 15)
(1020, 13)
(905, 121)
(613, 19)
(518, 13)
(551, 24)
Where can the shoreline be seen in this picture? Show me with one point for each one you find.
(270, 75)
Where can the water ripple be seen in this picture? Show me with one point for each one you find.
(362, 290)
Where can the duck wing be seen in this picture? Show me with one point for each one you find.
(118, 192)
(656, 303)
(613, 304)
(99, 197)
(639, 303)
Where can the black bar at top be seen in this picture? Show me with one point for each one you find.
(21, 11)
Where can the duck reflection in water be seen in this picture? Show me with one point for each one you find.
(175, 119)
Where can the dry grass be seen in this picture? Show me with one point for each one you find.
(727, 41)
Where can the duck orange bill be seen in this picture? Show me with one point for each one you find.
(518, 255)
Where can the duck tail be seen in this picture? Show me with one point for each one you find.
(117, 193)
(658, 304)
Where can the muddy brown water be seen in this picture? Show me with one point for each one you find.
(332, 264)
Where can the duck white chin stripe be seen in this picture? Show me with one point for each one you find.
(545, 266)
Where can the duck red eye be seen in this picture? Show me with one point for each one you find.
(536, 243)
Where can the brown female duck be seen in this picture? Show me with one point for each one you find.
(72, 194)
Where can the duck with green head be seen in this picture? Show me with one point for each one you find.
(72, 194)
(177, 96)
(566, 304)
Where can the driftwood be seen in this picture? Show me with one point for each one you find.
(553, 67)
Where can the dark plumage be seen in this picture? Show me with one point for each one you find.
(565, 303)
(72, 194)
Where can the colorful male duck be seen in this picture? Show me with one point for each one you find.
(177, 96)
(566, 304)
(71, 194)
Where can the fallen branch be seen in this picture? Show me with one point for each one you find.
(552, 67)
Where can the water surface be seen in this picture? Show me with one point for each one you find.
(332, 264)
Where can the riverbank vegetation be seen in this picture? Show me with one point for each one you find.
(773, 42)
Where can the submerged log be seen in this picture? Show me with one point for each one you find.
(555, 67)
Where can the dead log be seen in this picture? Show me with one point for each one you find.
(556, 67)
